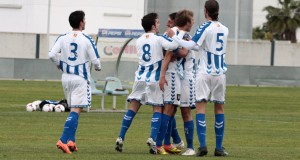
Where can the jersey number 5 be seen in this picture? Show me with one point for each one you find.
(219, 40)
(74, 52)
(146, 55)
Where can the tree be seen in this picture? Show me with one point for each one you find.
(283, 22)
(261, 33)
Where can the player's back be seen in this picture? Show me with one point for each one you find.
(212, 37)
(215, 38)
(150, 53)
(149, 49)
(76, 49)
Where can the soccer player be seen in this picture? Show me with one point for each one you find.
(146, 89)
(211, 38)
(171, 85)
(72, 54)
(187, 82)
(172, 129)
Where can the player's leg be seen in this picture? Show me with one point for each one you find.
(171, 98)
(188, 130)
(71, 143)
(128, 117)
(177, 142)
(219, 129)
(78, 94)
(154, 97)
(218, 97)
(167, 139)
(173, 132)
(126, 122)
(136, 99)
(186, 103)
(202, 91)
(165, 118)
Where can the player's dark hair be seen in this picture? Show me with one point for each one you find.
(173, 16)
(148, 21)
(75, 18)
(212, 8)
(183, 17)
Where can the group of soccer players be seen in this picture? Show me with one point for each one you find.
(166, 78)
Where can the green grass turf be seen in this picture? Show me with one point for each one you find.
(261, 123)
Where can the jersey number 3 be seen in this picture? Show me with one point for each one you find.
(74, 52)
(146, 55)
(219, 40)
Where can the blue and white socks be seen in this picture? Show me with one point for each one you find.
(163, 129)
(219, 130)
(189, 133)
(155, 125)
(201, 129)
(127, 120)
(174, 133)
(70, 128)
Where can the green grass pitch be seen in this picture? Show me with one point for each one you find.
(261, 123)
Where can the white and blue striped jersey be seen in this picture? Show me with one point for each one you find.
(186, 66)
(150, 53)
(73, 51)
(174, 65)
(212, 38)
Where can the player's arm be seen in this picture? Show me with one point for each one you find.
(94, 56)
(186, 44)
(54, 53)
(166, 61)
(167, 43)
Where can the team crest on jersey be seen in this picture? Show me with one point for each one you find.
(147, 36)
(74, 35)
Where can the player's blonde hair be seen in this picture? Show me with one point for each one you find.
(183, 17)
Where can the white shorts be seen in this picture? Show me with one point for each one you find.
(146, 93)
(172, 90)
(187, 96)
(213, 86)
(77, 90)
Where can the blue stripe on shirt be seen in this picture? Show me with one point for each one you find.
(151, 67)
(76, 70)
(165, 37)
(59, 37)
(216, 58)
(142, 70)
(209, 60)
(68, 68)
(84, 72)
(200, 31)
(157, 73)
(93, 45)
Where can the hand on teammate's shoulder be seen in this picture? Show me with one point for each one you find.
(170, 32)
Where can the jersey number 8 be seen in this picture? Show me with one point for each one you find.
(146, 55)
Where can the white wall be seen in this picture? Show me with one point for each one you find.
(259, 16)
(33, 14)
